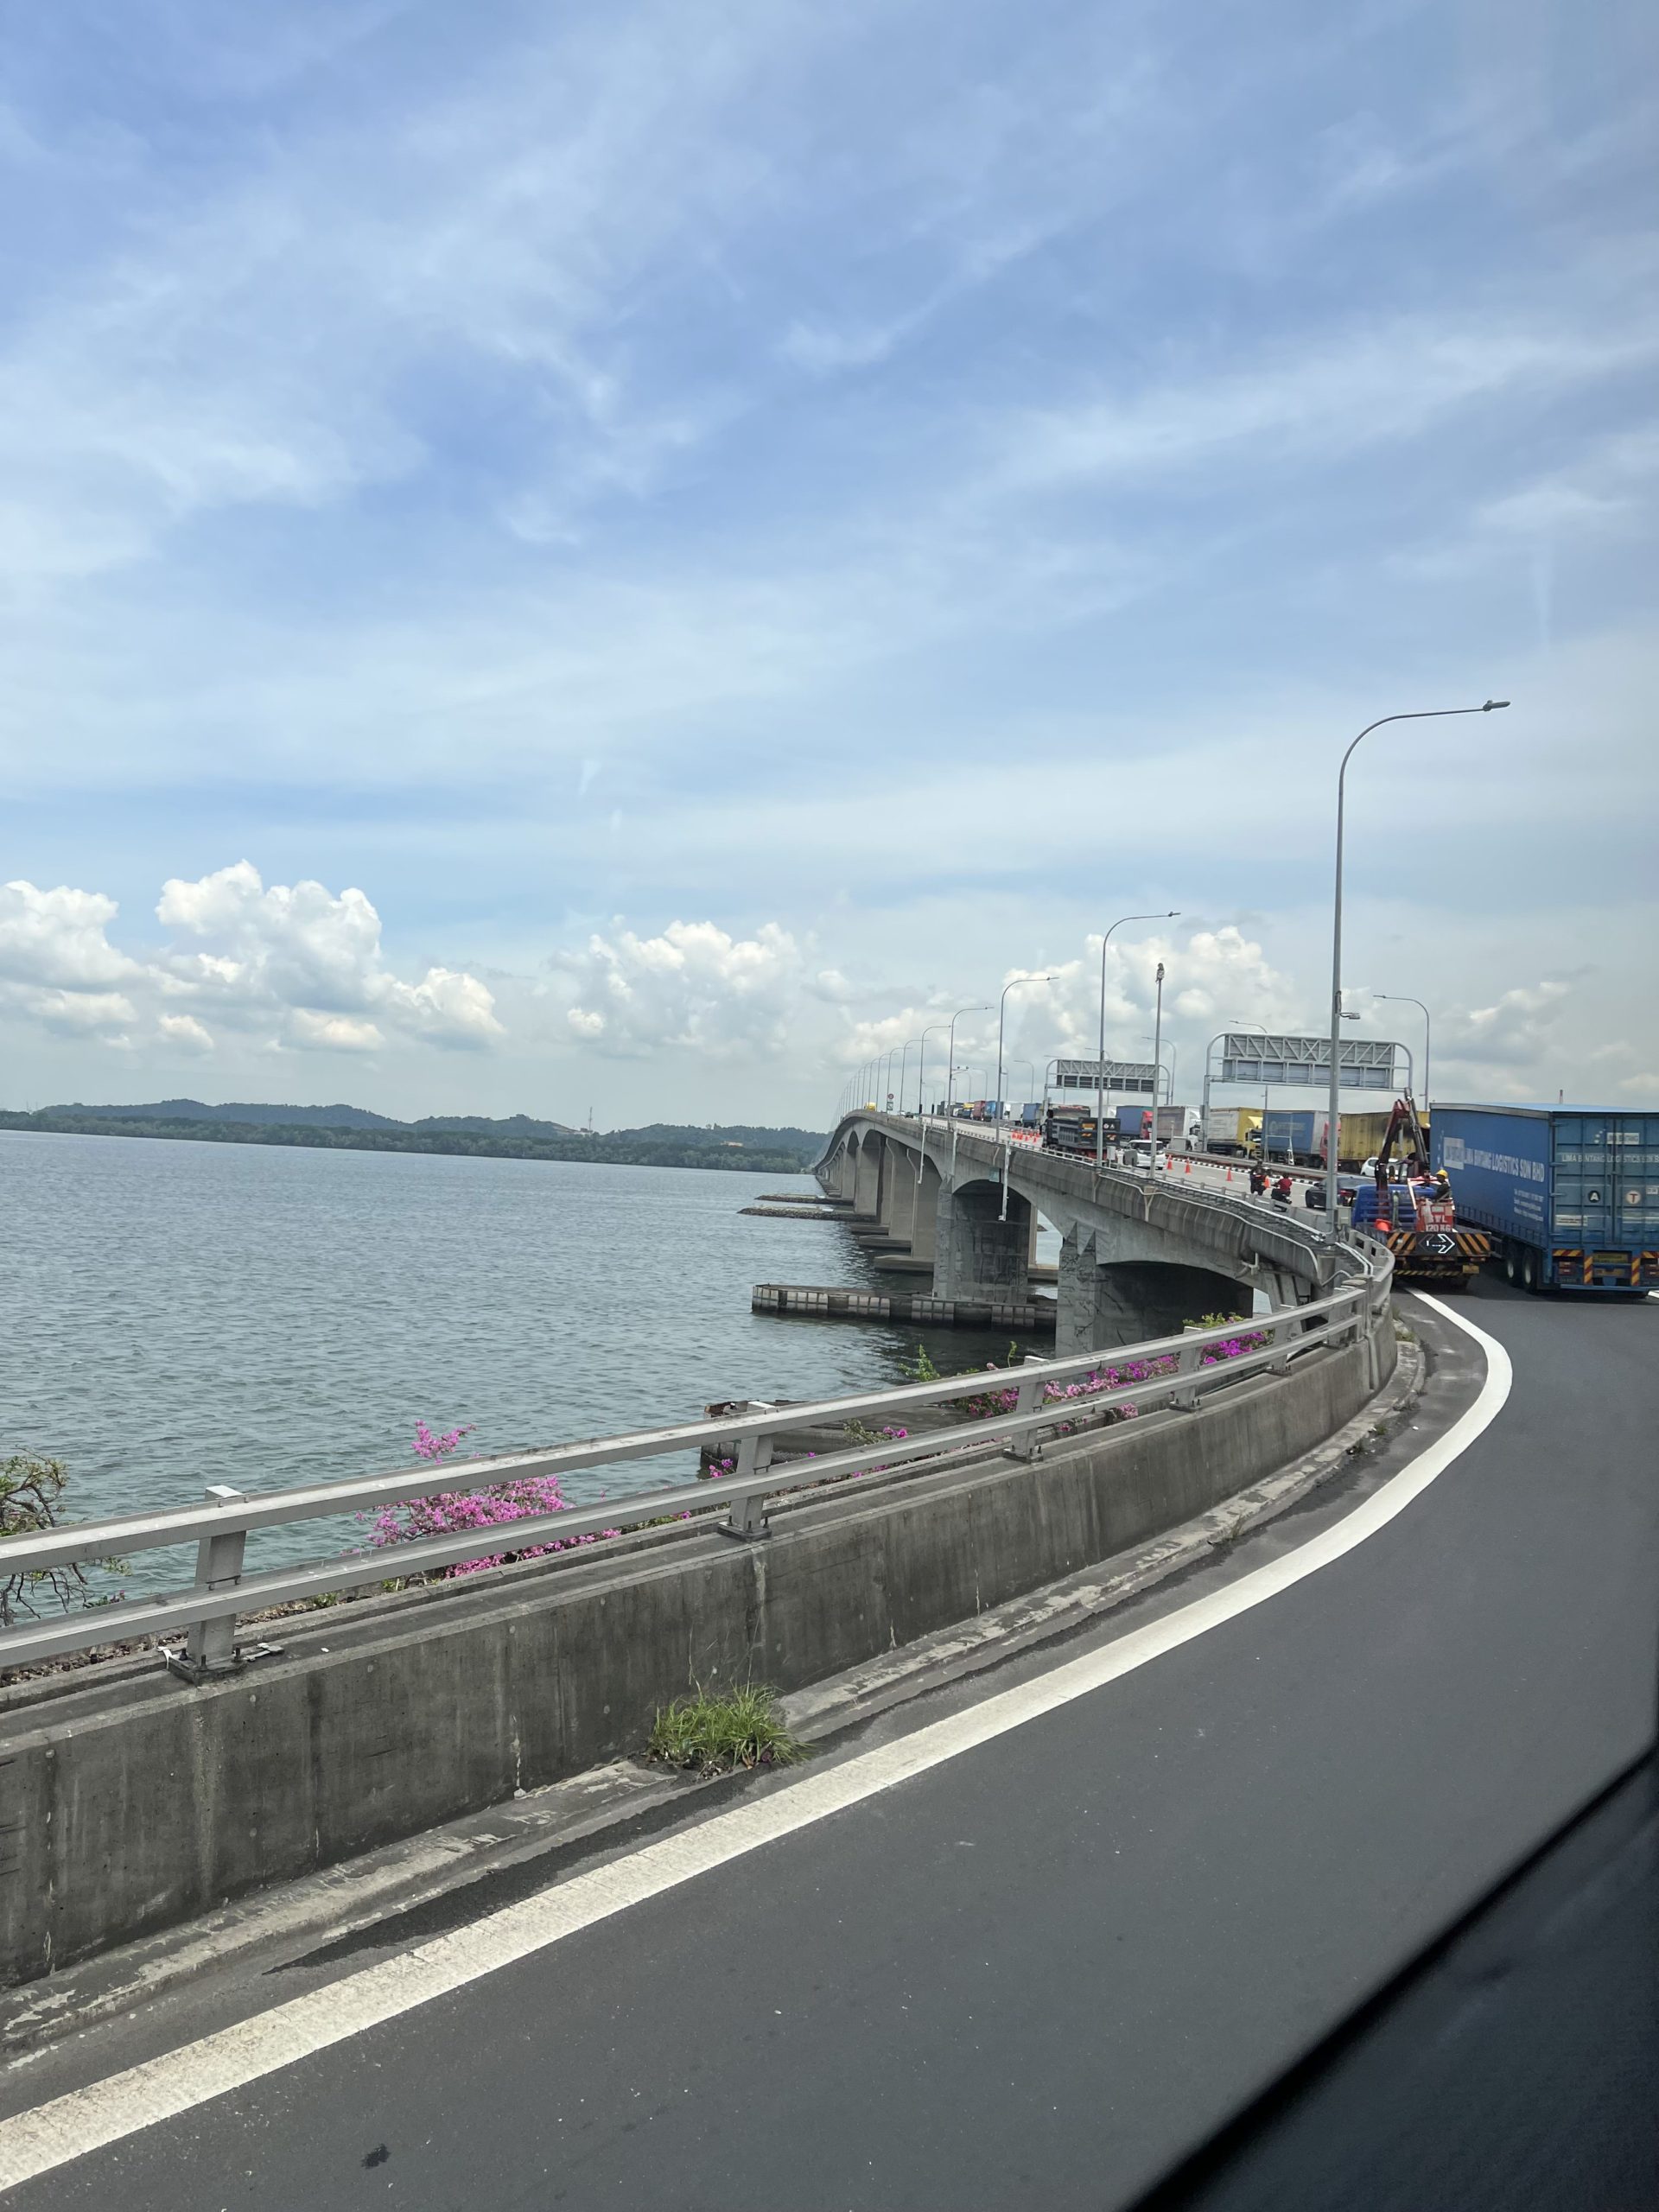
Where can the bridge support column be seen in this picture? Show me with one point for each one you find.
(899, 1195)
(925, 1213)
(867, 1180)
(1104, 1302)
(977, 1254)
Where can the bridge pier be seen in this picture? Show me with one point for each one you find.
(977, 1254)
(899, 1196)
(925, 1213)
(1108, 1301)
(866, 1178)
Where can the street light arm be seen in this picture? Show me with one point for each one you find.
(1334, 1114)
(1170, 914)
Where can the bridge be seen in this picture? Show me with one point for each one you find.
(1140, 1254)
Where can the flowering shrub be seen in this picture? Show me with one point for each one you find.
(451, 1511)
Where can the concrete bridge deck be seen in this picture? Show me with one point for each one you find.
(1141, 1252)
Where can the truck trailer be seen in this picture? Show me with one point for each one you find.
(1568, 1194)
(1233, 1131)
(1294, 1136)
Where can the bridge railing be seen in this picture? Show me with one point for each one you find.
(1175, 1373)
(1307, 1230)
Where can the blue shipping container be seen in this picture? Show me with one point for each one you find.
(1292, 1133)
(1569, 1193)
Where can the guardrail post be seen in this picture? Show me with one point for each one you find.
(1188, 1362)
(1028, 1396)
(210, 1646)
(748, 1515)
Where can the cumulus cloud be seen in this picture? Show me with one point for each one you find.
(1516, 1032)
(296, 965)
(695, 986)
(1212, 977)
(185, 1030)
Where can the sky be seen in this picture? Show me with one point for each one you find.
(625, 557)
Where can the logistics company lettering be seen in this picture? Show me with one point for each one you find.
(1460, 1154)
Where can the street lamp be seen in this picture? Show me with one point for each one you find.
(1013, 984)
(1002, 1011)
(1157, 1047)
(1160, 1070)
(950, 1051)
(921, 1078)
(1334, 1117)
(1399, 998)
(1170, 915)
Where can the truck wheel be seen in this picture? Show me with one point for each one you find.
(1511, 1263)
(1528, 1267)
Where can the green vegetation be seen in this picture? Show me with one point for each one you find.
(713, 1735)
(29, 1490)
(753, 1150)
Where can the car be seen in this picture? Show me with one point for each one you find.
(1399, 1170)
(1139, 1155)
(1314, 1194)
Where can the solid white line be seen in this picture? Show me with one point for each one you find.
(36, 2142)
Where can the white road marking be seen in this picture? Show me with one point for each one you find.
(70, 2126)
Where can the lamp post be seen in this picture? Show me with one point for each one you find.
(1013, 984)
(950, 1051)
(1333, 1149)
(1001, 1013)
(1169, 915)
(921, 1079)
(903, 1072)
(1157, 1046)
(1399, 998)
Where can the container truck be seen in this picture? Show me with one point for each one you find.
(1568, 1194)
(1233, 1131)
(1361, 1135)
(1295, 1137)
(1072, 1129)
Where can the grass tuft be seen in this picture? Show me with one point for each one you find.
(714, 1735)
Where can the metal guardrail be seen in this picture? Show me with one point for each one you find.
(734, 1506)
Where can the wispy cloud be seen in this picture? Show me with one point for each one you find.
(875, 474)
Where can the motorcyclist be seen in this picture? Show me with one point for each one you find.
(1281, 1191)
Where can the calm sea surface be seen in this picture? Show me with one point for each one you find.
(174, 1313)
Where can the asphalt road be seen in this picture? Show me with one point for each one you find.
(1039, 1972)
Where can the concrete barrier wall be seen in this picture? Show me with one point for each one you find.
(128, 1802)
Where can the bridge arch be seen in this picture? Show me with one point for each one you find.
(1107, 1299)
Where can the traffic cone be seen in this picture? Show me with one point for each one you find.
(1186, 1167)
(1230, 1174)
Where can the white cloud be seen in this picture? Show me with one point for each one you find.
(295, 965)
(79, 1014)
(331, 1033)
(693, 987)
(183, 1029)
(305, 948)
(1516, 1035)
(1367, 385)
(58, 937)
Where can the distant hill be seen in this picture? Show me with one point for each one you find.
(515, 1137)
(739, 1133)
(192, 1110)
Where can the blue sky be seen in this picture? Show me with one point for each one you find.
(618, 556)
